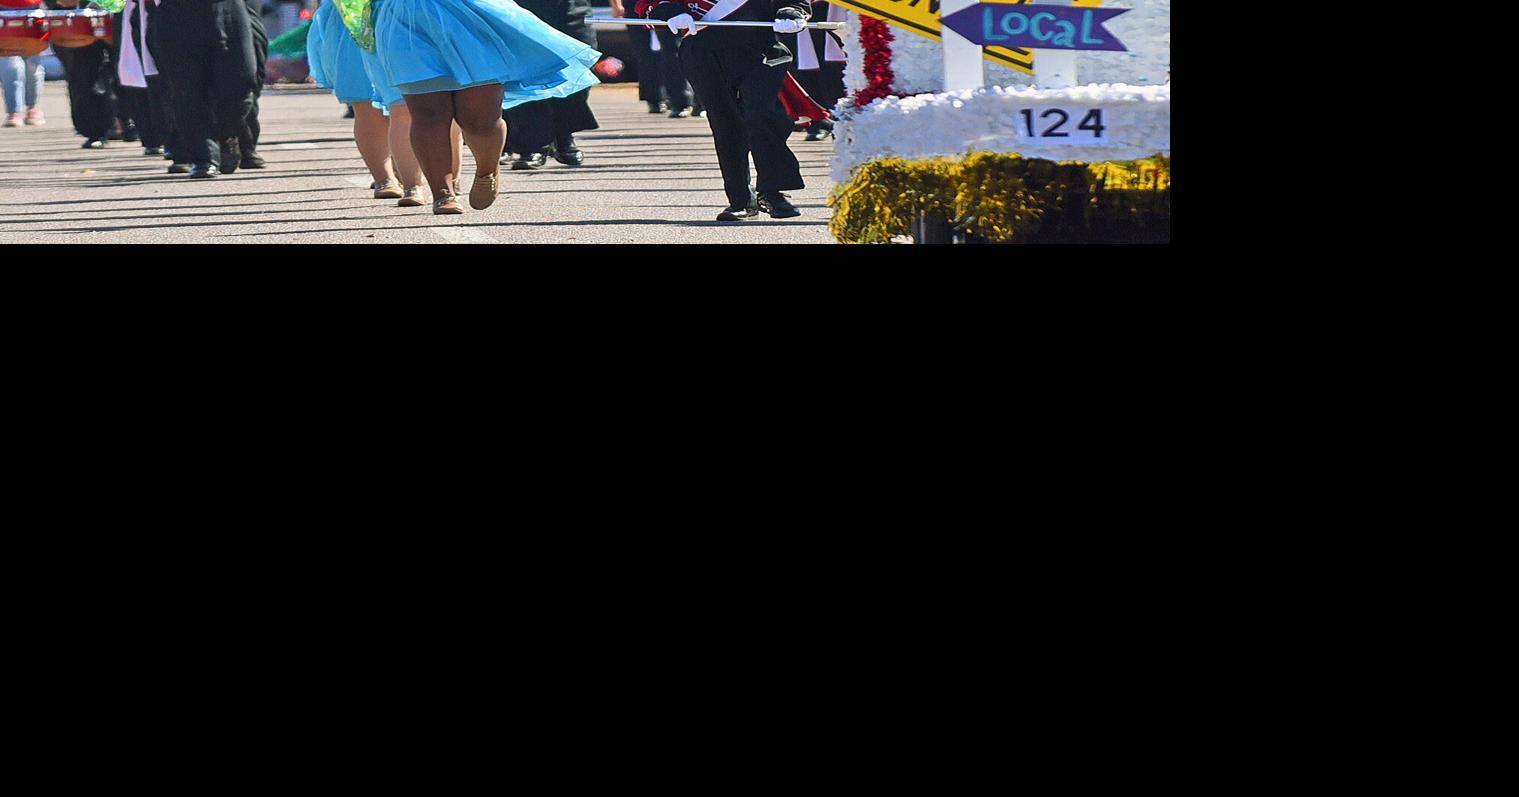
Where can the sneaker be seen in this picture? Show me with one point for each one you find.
(390, 190)
(94, 143)
(567, 153)
(251, 161)
(738, 212)
(656, 107)
(534, 160)
(35, 117)
(683, 113)
(412, 198)
(778, 205)
(12, 120)
(205, 170)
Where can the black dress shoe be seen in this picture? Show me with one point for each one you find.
(152, 150)
(777, 205)
(205, 170)
(130, 134)
(232, 156)
(94, 143)
(179, 168)
(738, 212)
(567, 153)
(534, 160)
(251, 161)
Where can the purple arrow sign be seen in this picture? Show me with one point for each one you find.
(1036, 27)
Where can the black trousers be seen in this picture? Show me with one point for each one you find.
(742, 98)
(137, 103)
(205, 49)
(248, 140)
(90, 73)
(533, 126)
(677, 91)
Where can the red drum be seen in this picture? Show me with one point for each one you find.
(78, 29)
(22, 35)
(27, 4)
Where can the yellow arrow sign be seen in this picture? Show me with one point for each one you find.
(922, 17)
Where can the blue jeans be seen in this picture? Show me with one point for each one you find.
(22, 79)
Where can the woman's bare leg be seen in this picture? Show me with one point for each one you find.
(370, 132)
(401, 154)
(478, 112)
(431, 127)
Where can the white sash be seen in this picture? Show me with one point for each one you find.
(134, 68)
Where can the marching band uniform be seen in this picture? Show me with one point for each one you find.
(534, 129)
(134, 67)
(205, 48)
(738, 74)
(819, 66)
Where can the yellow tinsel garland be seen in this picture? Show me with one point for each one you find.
(1008, 199)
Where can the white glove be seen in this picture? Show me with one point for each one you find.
(676, 23)
(789, 25)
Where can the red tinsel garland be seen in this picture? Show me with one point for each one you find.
(875, 40)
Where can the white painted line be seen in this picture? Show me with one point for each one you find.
(463, 235)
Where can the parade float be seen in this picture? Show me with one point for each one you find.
(1025, 122)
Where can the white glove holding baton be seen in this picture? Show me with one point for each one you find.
(679, 21)
(789, 25)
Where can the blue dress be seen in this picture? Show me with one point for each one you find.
(427, 46)
(335, 59)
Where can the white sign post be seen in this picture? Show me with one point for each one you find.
(962, 58)
(1055, 69)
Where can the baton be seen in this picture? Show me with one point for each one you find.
(700, 24)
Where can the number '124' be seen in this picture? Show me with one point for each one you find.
(1058, 119)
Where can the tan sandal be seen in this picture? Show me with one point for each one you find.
(390, 190)
(412, 199)
(447, 205)
(483, 193)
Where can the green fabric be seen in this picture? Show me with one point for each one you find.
(291, 44)
(113, 6)
(358, 15)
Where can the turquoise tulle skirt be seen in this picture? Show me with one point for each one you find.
(335, 59)
(385, 95)
(446, 45)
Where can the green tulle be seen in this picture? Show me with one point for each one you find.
(358, 15)
(113, 6)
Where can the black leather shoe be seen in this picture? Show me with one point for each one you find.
(94, 143)
(777, 205)
(535, 160)
(179, 168)
(251, 161)
(152, 150)
(130, 134)
(232, 156)
(738, 213)
(205, 170)
(567, 153)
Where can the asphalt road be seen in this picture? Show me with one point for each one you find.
(646, 179)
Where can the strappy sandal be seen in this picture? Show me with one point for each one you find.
(447, 205)
(412, 199)
(483, 193)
